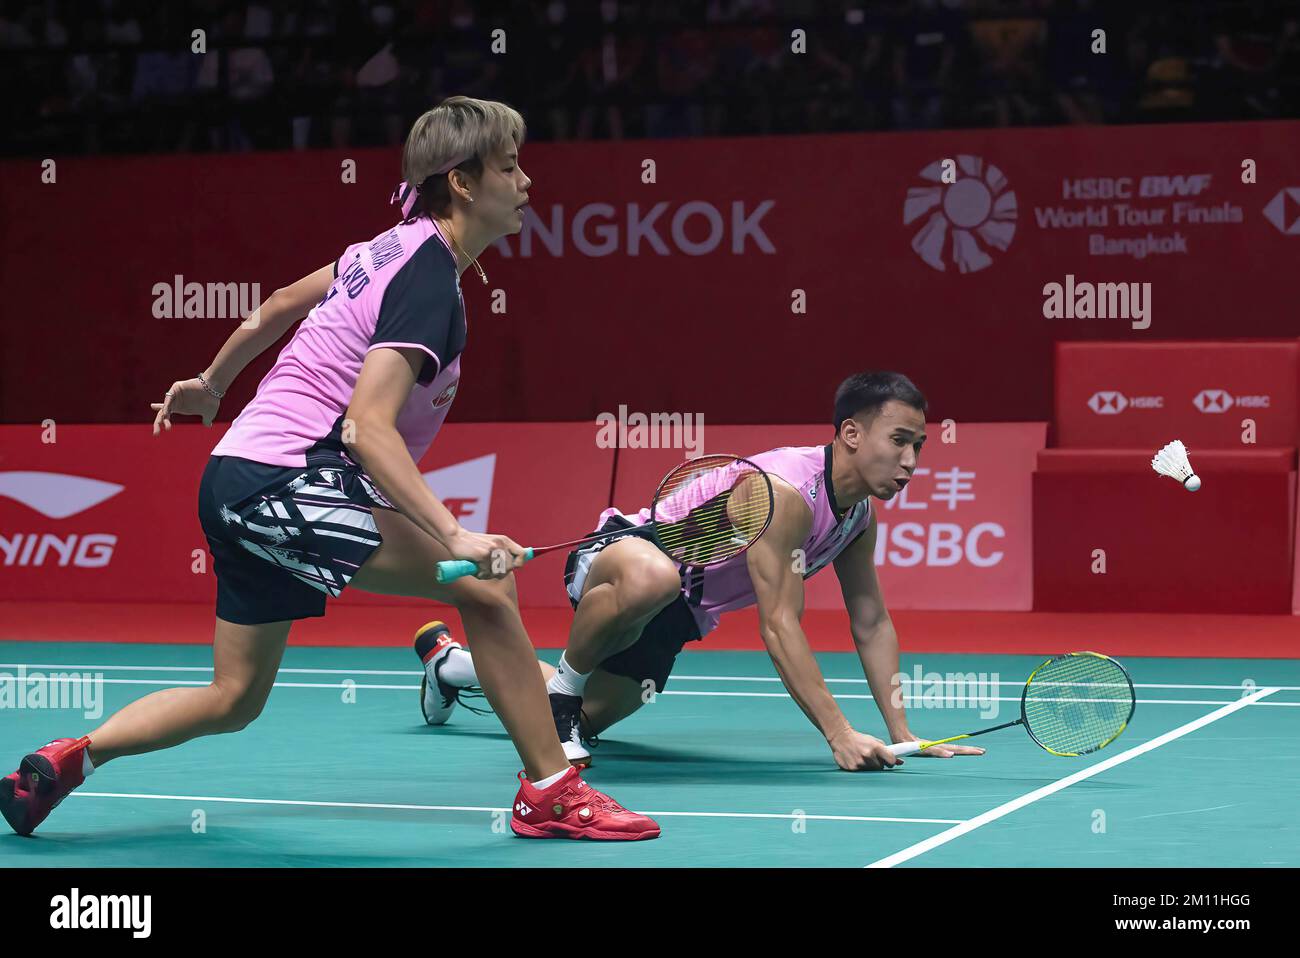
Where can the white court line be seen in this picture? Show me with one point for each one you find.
(676, 678)
(912, 700)
(934, 841)
(485, 808)
(917, 701)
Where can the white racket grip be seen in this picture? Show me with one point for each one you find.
(905, 748)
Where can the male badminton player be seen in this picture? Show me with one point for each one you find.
(636, 608)
(315, 485)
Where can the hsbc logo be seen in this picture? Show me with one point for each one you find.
(1111, 403)
(1107, 403)
(56, 496)
(1220, 400)
(1283, 210)
(466, 490)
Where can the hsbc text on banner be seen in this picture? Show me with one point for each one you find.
(110, 512)
(958, 537)
(959, 257)
(1212, 395)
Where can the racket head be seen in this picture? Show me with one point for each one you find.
(711, 509)
(1077, 703)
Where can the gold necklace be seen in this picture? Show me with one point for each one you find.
(481, 275)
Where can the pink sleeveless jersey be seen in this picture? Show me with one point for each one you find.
(727, 586)
(399, 289)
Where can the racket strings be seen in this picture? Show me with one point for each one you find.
(711, 509)
(1077, 703)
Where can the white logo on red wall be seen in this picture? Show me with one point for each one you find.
(466, 490)
(1283, 210)
(446, 396)
(56, 496)
(964, 219)
(1108, 402)
(1220, 400)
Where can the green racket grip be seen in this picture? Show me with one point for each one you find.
(453, 569)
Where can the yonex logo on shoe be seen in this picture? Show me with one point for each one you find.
(523, 809)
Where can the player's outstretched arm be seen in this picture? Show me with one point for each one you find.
(877, 642)
(266, 324)
(779, 591)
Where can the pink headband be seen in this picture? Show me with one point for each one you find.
(406, 194)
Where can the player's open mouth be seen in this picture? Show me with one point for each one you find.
(902, 481)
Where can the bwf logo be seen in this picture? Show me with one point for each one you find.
(963, 211)
(1111, 403)
(1220, 400)
(76, 911)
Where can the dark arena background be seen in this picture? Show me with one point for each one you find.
(1074, 225)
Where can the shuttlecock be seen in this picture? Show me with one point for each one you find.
(1172, 461)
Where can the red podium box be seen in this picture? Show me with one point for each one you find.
(1226, 548)
(1123, 395)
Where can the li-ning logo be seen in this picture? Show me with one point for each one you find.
(961, 218)
(1220, 400)
(1110, 403)
(56, 496)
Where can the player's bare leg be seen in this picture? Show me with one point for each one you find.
(629, 582)
(608, 699)
(245, 660)
(504, 658)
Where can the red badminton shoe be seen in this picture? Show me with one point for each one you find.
(44, 778)
(571, 808)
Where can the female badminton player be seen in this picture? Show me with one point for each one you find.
(636, 608)
(315, 485)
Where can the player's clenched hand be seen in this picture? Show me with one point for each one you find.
(185, 398)
(495, 556)
(855, 752)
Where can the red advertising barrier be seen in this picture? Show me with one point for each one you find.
(1112, 536)
(110, 512)
(958, 537)
(868, 258)
(1208, 394)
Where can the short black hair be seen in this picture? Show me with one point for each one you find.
(868, 392)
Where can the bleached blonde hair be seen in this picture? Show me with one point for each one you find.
(458, 133)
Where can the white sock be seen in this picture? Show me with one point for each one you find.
(567, 680)
(87, 768)
(457, 669)
(550, 780)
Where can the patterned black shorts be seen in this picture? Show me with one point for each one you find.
(285, 538)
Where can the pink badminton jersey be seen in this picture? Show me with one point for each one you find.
(721, 588)
(399, 289)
